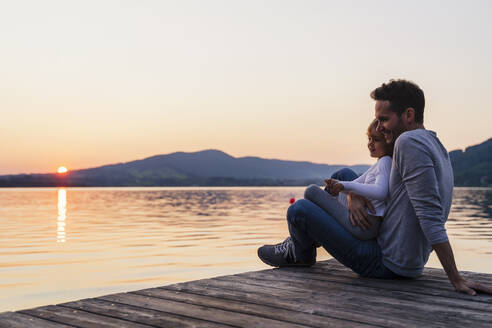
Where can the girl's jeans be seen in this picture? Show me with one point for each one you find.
(310, 226)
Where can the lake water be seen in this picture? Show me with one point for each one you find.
(58, 245)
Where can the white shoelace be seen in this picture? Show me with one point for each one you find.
(287, 248)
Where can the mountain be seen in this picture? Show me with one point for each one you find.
(203, 168)
(473, 167)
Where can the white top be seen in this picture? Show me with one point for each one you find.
(373, 184)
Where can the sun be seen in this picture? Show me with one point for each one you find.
(62, 169)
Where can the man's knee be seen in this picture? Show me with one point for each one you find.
(344, 174)
(297, 210)
(311, 192)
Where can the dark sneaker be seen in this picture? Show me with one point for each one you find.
(281, 255)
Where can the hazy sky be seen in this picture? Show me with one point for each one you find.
(86, 83)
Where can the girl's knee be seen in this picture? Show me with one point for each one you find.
(311, 191)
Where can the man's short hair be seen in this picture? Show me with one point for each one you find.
(402, 94)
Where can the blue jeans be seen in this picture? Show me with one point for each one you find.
(311, 227)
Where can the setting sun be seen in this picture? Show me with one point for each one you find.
(62, 169)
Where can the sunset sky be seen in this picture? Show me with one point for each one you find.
(87, 83)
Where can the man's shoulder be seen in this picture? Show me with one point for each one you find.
(417, 136)
(405, 140)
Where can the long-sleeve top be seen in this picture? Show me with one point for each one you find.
(420, 196)
(373, 184)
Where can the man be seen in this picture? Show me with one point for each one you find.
(420, 195)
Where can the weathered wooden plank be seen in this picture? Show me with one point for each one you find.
(322, 303)
(334, 292)
(423, 283)
(360, 302)
(79, 318)
(295, 303)
(429, 273)
(325, 295)
(414, 286)
(337, 272)
(439, 273)
(138, 314)
(437, 286)
(368, 305)
(197, 311)
(237, 304)
(19, 320)
(365, 289)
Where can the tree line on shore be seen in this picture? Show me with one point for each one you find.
(472, 167)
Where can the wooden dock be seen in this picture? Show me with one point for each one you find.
(326, 295)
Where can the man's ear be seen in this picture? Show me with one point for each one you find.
(409, 115)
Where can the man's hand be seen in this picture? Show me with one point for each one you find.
(445, 254)
(357, 210)
(333, 186)
(471, 287)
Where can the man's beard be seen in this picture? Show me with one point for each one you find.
(396, 131)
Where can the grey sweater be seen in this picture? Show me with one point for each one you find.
(420, 195)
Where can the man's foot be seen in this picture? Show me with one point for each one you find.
(281, 255)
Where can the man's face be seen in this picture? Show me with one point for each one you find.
(389, 123)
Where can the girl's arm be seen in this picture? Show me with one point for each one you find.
(376, 191)
(362, 178)
(331, 183)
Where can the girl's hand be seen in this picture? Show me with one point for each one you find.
(329, 183)
(333, 186)
(336, 188)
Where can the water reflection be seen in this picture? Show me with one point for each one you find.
(132, 238)
(471, 214)
(62, 216)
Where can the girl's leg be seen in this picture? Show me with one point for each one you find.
(333, 207)
(309, 225)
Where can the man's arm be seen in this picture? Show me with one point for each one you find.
(358, 215)
(446, 257)
(419, 178)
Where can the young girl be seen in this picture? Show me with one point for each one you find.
(373, 184)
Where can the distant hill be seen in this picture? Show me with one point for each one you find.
(203, 168)
(473, 167)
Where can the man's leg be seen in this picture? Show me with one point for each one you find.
(309, 225)
(344, 174)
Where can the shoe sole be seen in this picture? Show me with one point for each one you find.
(285, 265)
(267, 262)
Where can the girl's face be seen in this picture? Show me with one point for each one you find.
(376, 144)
